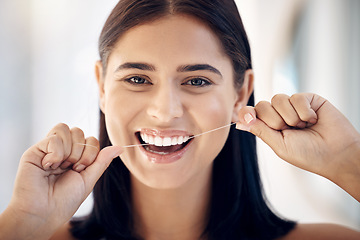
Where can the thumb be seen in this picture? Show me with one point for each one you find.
(247, 121)
(93, 172)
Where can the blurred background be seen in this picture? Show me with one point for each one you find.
(47, 55)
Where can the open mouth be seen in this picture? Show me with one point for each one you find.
(163, 145)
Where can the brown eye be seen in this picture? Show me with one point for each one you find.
(197, 82)
(136, 80)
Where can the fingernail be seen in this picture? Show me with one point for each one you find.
(65, 164)
(301, 125)
(313, 120)
(55, 165)
(242, 127)
(79, 168)
(248, 118)
(47, 166)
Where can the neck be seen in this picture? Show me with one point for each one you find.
(179, 213)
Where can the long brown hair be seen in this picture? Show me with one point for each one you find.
(238, 208)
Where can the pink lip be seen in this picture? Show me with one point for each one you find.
(168, 158)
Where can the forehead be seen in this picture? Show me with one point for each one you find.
(173, 38)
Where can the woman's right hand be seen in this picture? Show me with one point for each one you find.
(54, 177)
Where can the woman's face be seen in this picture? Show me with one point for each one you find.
(166, 81)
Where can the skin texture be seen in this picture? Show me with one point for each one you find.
(161, 191)
(57, 174)
(301, 129)
(173, 105)
(45, 195)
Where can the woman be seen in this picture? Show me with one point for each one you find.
(169, 71)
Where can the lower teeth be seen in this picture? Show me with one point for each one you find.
(150, 150)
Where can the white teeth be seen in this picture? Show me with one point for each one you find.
(158, 141)
(180, 140)
(174, 141)
(166, 141)
(150, 140)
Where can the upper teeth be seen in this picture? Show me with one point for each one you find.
(163, 141)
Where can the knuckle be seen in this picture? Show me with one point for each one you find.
(278, 99)
(77, 130)
(62, 127)
(262, 105)
(297, 98)
(93, 141)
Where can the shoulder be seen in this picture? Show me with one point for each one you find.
(63, 233)
(321, 231)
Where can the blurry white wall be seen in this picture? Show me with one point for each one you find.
(306, 46)
(47, 55)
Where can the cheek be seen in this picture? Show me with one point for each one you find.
(121, 110)
(213, 112)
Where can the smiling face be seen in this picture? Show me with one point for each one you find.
(165, 82)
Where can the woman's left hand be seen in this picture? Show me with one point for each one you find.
(307, 131)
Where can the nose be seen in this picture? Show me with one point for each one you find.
(165, 105)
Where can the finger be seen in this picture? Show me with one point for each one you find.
(283, 106)
(249, 122)
(63, 131)
(266, 112)
(93, 172)
(316, 101)
(302, 105)
(91, 150)
(78, 141)
(53, 148)
(246, 115)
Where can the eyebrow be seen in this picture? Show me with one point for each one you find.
(132, 65)
(183, 68)
(198, 67)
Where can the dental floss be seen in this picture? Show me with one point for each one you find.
(227, 125)
(146, 144)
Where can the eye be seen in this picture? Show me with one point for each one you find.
(137, 80)
(197, 82)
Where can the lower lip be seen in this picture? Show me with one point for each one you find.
(167, 158)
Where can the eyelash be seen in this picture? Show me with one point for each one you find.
(132, 80)
(204, 82)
